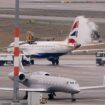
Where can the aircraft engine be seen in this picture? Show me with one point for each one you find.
(22, 77)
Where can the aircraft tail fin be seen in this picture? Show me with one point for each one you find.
(73, 33)
(72, 39)
(80, 32)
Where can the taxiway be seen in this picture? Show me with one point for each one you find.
(80, 67)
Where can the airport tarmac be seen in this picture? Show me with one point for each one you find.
(82, 68)
(79, 67)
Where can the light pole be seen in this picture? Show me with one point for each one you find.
(16, 54)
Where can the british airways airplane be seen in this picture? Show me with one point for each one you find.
(51, 50)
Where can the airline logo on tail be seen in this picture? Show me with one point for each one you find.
(74, 33)
(75, 25)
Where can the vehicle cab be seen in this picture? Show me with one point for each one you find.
(100, 58)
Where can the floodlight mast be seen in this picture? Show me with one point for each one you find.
(16, 54)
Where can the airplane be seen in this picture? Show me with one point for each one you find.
(42, 81)
(51, 50)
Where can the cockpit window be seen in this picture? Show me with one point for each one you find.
(71, 82)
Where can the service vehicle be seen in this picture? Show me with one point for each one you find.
(5, 59)
(100, 58)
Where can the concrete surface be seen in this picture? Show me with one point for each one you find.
(80, 67)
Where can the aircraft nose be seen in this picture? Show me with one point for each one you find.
(76, 88)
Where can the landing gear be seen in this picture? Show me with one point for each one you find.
(51, 96)
(55, 62)
(26, 95)
(32, 62)
(73, 99)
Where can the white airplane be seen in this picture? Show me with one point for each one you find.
(43, 82)
(51, 50)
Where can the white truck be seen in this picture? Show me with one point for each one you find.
(5, 59)
(100, 58)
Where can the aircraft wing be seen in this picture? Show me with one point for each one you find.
(90, 48)
(92, 44)
(25, 89)
(91, 87)
(86, 50)
(94, 87)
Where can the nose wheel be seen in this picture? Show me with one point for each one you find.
(73, 99)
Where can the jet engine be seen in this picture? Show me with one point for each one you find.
(22, 77)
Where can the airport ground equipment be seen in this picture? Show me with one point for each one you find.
(34, 98)
(100, 58)
(5, 59)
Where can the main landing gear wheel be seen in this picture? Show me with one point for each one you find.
(32, 62)
(55, 62)
(51, 96)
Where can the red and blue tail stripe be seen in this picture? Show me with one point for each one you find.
(74, 31)
(75, 25)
